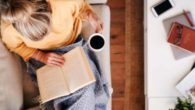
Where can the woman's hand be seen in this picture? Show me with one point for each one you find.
(51, 59)
(96, 22)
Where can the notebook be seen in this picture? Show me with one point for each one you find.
(182, 37)
(55, 82)
(178, 53)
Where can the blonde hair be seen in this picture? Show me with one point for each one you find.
(31, 19)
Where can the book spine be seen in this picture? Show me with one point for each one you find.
(64, 77)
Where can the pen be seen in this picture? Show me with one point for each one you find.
(188, 18)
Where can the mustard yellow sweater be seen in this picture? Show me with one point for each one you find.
(67, 16)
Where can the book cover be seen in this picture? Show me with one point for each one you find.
(182, 36)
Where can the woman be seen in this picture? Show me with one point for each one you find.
(41, 31)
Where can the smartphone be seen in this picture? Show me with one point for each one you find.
(162, 7)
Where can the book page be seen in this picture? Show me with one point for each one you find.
(77, 70)
(51, 83)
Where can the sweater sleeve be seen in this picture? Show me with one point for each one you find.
(16, 45)
(24, 51)
(84, 8)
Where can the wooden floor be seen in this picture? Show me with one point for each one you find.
(118, 52)
(126, 96)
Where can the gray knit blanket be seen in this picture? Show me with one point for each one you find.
(92, 97)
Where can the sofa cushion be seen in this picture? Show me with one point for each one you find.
(97, 1)
(11, 92)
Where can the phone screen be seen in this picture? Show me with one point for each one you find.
(164, 6)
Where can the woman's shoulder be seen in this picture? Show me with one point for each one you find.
(68, 6)
(4, 27)
(8, 31)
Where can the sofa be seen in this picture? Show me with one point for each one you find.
(17, 91)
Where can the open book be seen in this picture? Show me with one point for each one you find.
(55, 82)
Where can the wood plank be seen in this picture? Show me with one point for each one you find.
(134, 85)
(118, 58)
(118, 86)
(118, 79)
(118, 104)
(117, 34)
(116, 49)
(136, 103)
(118, 71)
(118, 15)
(116, 3)
(118, 52)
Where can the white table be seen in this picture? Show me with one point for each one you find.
(162, 70)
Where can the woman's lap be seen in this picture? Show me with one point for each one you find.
(92, 97)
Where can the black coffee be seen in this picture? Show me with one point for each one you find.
(97, 42)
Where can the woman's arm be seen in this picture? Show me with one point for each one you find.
(96, 22)
(26, 53)
(89, 14)
(51, 59)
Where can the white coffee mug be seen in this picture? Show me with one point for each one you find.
(96, 42)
